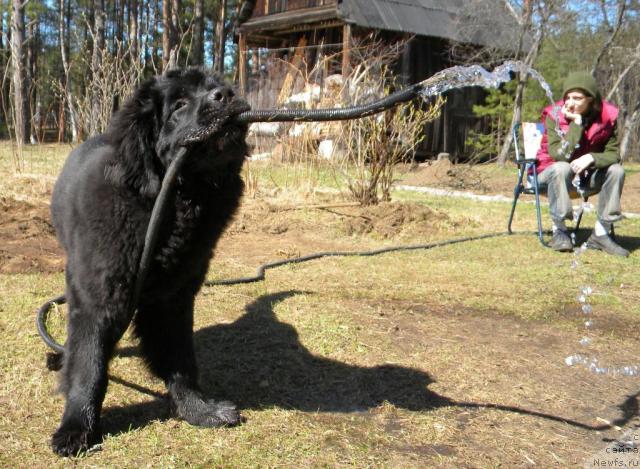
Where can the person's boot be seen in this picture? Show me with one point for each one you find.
(561, 241)
(606, 244)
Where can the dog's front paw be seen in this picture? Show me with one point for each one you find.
(71, 441)
(210, 413)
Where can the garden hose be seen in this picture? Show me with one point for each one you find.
(260, 274)
(454, 77)
(336, 114)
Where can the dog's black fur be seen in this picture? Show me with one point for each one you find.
(101, 206)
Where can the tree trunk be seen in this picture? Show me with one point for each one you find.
(33, 115)
(166, 33)
(63, 30)
(20, 85)
(198, 33)
(96, 64)
(220, 39)
(522, 81)
(622, 5)
(133, 31)
(176, 32)
(631, 125)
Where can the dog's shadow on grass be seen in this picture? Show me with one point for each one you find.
(259, 362)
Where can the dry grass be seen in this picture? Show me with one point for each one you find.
(450, 357)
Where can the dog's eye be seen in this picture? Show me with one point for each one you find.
(180, 103)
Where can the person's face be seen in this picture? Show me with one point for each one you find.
(576, 102)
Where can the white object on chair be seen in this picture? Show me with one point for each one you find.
(531, 137)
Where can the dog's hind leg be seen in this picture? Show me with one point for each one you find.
(91, 338)
(166, 338)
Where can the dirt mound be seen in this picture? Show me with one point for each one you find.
(431, 173)
(389, 220)
(260, 216)
(27, 238)
(443, 173)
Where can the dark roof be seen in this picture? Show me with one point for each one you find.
(483, 22)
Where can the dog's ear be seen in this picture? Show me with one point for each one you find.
(134, 130)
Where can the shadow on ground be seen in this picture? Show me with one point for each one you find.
(259, 362)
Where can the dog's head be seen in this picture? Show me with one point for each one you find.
(181, 108)
(198, 110)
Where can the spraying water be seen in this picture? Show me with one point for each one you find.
(590, 362)
(475, 75)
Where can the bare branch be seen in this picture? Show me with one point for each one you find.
(635, 59)
(622, 6)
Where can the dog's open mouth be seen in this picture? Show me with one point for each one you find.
(216, 120)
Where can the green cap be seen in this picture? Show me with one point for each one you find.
(583, 81)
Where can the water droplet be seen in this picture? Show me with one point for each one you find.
(572, 360)
(582, 298)
(585, 341)
(586, 290)
(574, 264)
(587, 309)
(588, 324)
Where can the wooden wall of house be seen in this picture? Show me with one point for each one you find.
(423, 58)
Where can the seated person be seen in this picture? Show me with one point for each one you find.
(589, 149)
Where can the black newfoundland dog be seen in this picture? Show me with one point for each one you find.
(101, 206)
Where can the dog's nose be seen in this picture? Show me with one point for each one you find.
(223, 94)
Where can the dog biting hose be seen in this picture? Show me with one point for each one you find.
(454, 77)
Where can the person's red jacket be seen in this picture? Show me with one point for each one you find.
(593, 140)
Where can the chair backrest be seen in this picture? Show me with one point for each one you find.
(531, 133)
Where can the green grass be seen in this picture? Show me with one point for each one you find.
(410, 359)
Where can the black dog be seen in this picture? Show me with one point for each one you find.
(101, 206)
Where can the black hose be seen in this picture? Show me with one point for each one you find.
(158, 215)
(336, 114)
(168, 185)
(272, 115)
(41, 323)
(260, 273)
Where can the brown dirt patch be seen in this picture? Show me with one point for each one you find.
(27, 239)
(444, 174)
(390, 220)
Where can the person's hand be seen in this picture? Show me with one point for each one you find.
(570, 115)
(580, 164)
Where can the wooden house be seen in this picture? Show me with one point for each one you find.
(432, 28)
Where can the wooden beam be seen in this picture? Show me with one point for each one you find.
(346, 50)
(287, 86)
(242, 62)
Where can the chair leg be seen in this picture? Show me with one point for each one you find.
(516, 195)
(578, 218)
(538, 209)
(539, 217)
(517, 190)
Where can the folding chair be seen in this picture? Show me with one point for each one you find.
(527, 182)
